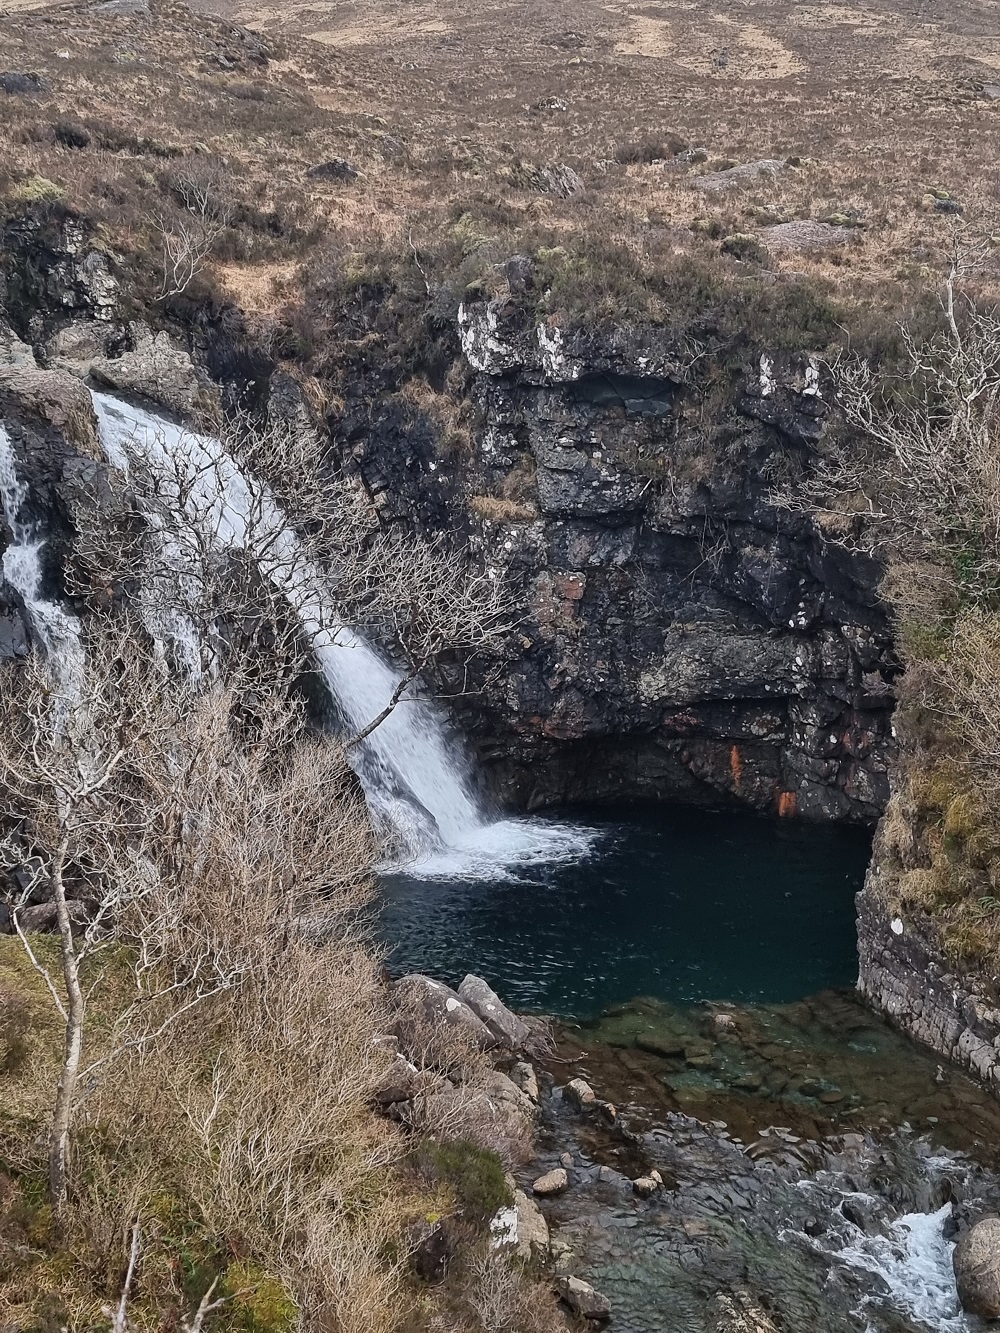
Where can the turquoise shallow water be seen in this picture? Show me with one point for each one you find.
(679, 904)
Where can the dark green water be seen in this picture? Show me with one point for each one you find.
(682, 905)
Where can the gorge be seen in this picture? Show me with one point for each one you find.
(499, 509)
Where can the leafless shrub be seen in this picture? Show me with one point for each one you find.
(918, 477)
(506, 1300)
(188, 236)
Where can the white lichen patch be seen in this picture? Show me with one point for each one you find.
(556, 364)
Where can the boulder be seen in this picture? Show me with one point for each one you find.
(553, 1182)
(423, 1001)
(804, 234)
(430, 1250)
(16, 83)
(977, 1269)
(582, 1299)
(505, 1026)
(717, 182)
(644, 1186)
(521, 1227)
(159, 368)
(337, 169)
(43, 917)
(402, 1081)
(494, 1114)
(57, 398)
(523, 1076)
(580, 1093)
(558, 179)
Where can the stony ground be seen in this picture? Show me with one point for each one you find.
(461, 106)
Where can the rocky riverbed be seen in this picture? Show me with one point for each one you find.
(816, 1169)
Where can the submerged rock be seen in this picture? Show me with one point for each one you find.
(977, 1269)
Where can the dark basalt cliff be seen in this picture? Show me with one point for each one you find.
(686, 639)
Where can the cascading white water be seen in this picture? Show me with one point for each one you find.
(914, 1261)
(414, 780)
(56, 629)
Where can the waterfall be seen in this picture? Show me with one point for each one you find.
(52, 626)
(418, 784)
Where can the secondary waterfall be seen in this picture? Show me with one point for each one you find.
(54, 628)
(416, 782)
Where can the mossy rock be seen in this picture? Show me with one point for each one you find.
(36, 189)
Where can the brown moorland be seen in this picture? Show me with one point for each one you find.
(881, 120)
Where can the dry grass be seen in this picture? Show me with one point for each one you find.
(230, 1065)
(872, 110)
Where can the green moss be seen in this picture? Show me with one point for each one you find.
(36, 189)
(923, 642)
(475, 1175)
(259, 1302)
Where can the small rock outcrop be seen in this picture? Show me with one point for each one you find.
(52, 395)
(580, 1094)
(553, 1182)
(716, 182)
(16, 83)
(532, 1228)
(977, 1269)
(524, 1076)
(422, 1000)
(506, 1027)
(152, 365)
(336, 169)
(583, 1300)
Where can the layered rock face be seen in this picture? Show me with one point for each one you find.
(686, 638)
(904, 971)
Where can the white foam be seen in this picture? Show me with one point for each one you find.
(915, 1262)
(55, 628)
(498, 850)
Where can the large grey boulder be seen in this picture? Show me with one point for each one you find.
(977, 1269)
(506, 1027)
(583, 1300)
(716, 182)
(157, 367)
(422, 1001)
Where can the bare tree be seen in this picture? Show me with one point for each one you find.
(188, 237)
(917, 476)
